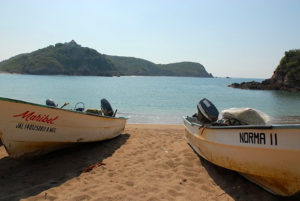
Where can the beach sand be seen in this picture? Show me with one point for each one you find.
(146, 162)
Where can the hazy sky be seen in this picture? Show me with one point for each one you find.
(230, 38)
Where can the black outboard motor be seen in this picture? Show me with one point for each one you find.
(207, 112)
(51, 103)
(106, 108)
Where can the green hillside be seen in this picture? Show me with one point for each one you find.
(186, 69)
(288, 70)
(72, 59)
(136, 66)
(61, 59)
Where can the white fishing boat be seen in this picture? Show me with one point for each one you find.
(268, 155)
(28, 129)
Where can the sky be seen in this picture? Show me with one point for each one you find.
(234, 38)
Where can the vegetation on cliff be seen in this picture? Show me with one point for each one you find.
(72, 59)
(285, 77)
(61, 59)
(135, 66)
(288, 71)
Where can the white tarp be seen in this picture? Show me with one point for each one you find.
(246, 116)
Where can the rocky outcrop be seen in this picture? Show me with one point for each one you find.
(286, 76)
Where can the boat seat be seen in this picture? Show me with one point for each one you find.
(94, 111)
(193, 119)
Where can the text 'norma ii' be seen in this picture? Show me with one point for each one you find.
(258, 138)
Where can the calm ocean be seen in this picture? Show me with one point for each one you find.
(150, 99)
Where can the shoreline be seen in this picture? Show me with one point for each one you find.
(4, 72)
(146, 162)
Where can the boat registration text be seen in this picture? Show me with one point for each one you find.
(258, 138)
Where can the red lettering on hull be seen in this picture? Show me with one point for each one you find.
(31, 116)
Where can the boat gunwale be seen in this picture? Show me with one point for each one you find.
(56, 108)
(273, 126)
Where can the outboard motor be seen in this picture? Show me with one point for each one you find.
(106, 108)
(207, 112)
(51, 103)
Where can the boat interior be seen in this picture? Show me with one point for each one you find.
(106, 109)
(208, 116)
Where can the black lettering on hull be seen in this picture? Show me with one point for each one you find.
(32, 127)
(258, 138)
(252, 138)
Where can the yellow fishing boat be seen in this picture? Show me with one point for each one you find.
(267, 155)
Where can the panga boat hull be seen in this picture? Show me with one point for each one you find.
(28, 129)
(266, 155)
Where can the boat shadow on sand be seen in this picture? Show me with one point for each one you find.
(21, 179)
(237, 186)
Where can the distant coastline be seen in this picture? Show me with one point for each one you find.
(73, 59)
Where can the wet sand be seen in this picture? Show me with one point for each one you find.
(146, 162)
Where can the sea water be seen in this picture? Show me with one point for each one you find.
(162, 100)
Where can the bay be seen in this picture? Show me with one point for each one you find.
(162, 100)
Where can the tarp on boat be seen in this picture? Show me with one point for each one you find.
(245, 116)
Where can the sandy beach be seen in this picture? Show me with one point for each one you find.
(147, 162)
